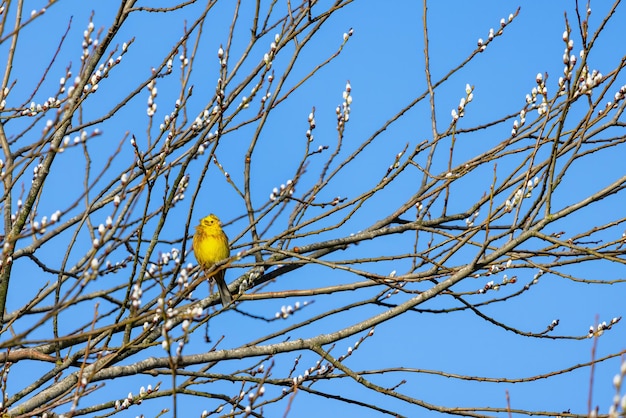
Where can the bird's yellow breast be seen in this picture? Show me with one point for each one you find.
(210, 243)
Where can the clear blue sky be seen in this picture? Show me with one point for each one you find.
(384, 62)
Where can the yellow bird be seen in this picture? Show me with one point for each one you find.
(210, 245)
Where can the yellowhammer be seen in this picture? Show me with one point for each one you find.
(210, 245)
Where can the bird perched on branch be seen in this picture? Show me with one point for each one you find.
(210, 245)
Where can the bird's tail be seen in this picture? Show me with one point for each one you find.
(222, 288)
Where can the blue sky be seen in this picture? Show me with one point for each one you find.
(384, 62)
